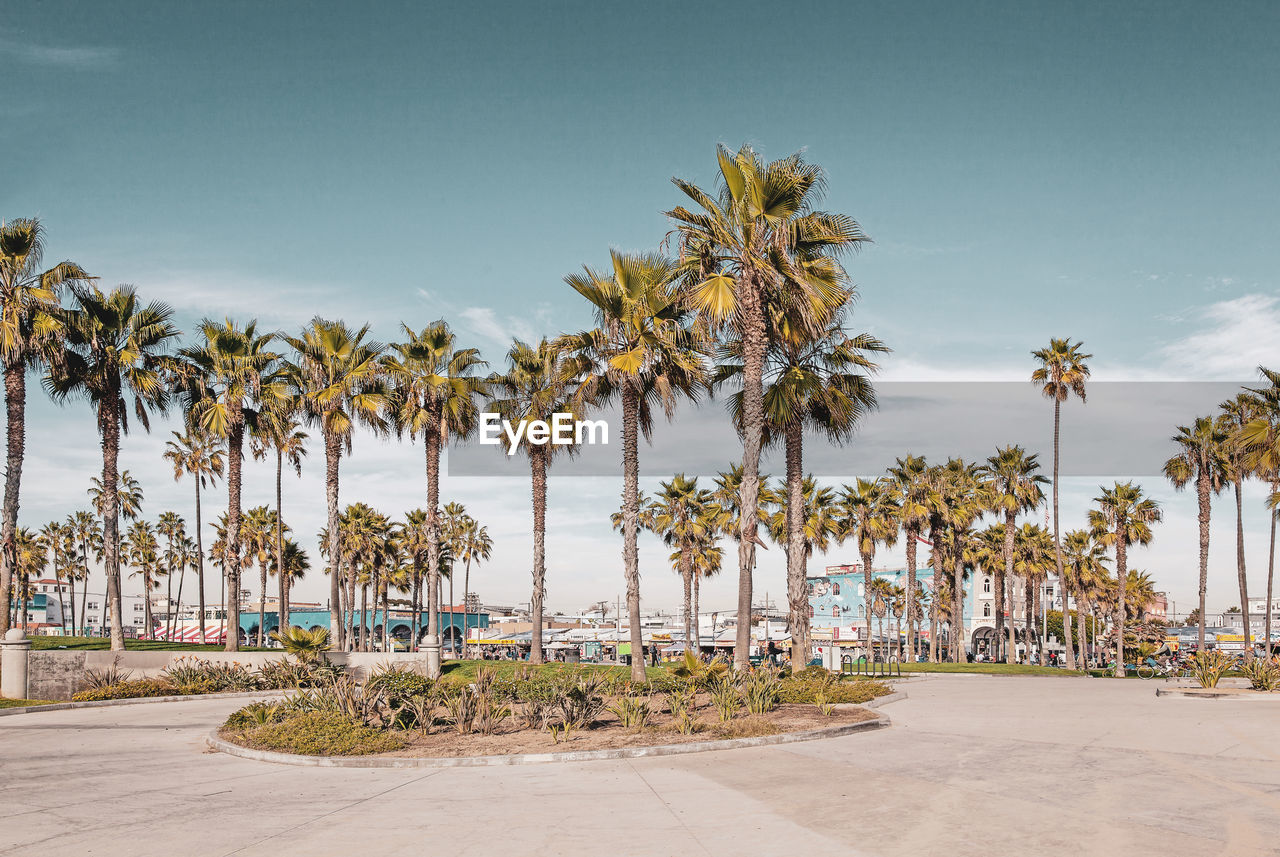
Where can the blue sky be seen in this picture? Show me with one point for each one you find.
(1025, 170)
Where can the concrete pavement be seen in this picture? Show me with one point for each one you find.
(974, 765)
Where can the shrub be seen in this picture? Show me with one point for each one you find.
(1263, 673)
(632, 711)
(321, 733)
(135, 689)
(582, 701)
(106, 677)
(399, 683)
(286, 673)
(256, 714)
(759, 688)
(798, 691)
(693, 669)
(193, 675)
(1208, 667)
(307, 646)
(725, 698)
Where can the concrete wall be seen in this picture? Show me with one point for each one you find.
(60, 674)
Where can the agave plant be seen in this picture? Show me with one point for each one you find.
(1208, 666)
(307, 646)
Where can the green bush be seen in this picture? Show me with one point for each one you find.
(192, 675)
(800, 690)
(399, 684)
(135, 689)
(320, 733)
(256, 714)
(1262, 673)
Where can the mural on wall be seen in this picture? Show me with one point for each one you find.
(839, 597)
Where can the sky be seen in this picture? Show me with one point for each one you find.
(1099, 171)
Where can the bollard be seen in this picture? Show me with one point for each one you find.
(431, 645)
(13, 664)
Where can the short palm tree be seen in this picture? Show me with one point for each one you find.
(1200, 459)
(1015, 489)
(87, 532)
(413, 540)
(643, 354)
(1033, 562)
(337, 377)
(455, 525)
(198, 455)
(142, 552)
(756, 247)
(682, 514)
(54, 536)
(817, 515)
(869, 516)
(434, 392)
(1236, 413)
(474, 545)
(911, 490)
(1087, 574)
(959, 495)
(278, 431)
(29, 330)
(115, 350)
(1123, 517)
(533, 387)
(173, 529)
(1061, 374)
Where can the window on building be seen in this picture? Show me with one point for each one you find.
(835, 612)
(986, 584)
(835, 589)
(92, 605)
(986, 611)
(137, 608)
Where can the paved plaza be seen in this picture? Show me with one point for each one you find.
(972, 765)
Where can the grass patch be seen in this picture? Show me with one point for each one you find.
(465, 671)
(989, 669)
(800, 691)
(22, 703)
(747, 727)
(319, 733)
(97, 644)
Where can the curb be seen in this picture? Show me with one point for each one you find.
(881, 721)
(108, 703)
(1214, 693)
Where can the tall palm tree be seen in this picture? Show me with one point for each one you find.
(29, 330)
(911, 489)
(277, 430)
(1236, 413)
(473, 546)
(87, 533)
(174, 531)
(533, 387)
(414, 540)
(143, 553)
(643, 354)
(1062, 373)
(225, 379)
(817, 516)
(433, 393)
(959, 494)
(338, 381)
(1123, 517)
(1015, 489)
(1087, 574)
(682, 515)
(1033, 561)
(869, 516)
(1200, 459)
(456, 524)
(812, 382)
(198, 455)
(257, 534)
(1261, 439)
(186, 556)
(760, 245)
(115, 351)
(54, 536)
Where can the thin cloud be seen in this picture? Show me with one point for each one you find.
(1239, 335)
(60, 56)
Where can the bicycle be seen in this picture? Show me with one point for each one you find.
(1150, 670)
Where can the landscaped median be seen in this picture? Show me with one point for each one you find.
(399, 718)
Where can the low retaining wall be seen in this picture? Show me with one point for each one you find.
(55, 674)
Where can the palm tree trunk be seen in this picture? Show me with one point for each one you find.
(262, 598)
(911, 592)
(415, 605)
(168, 579)
(386, 616)
(538, 467)
(200, 562)
(631, 526)
(466, 586)
(866, 594)
(84, 590)
(1202, 495)
(71, 590)
(451, 616)
(1271, 572)
(754, 343)
(364, 617)
(235, 461)
(1057, 538)
(332, 453)
(1007, 579)
(15, 401)
(431, 443)
(1240, 573)
(1028, 613)
(686, 575)
(797, 565)
(177, 610)
(146, 601)
(1122, 575)
(109, 424)
(697, 628)
(282, 612)
(957, 610)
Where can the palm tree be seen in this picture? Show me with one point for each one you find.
(533, 388)
(413, 539)
(257, 534)
(171, 526)
(338, 381)
(1015, 487)
(87, 532)
(225, 380)
(911, 490)
(1200, 459)
(869, 516)
(433, 394)
(474, 545)
(115, 350)
(818, 517)
(682, 515)
(818, 383)
(1032, 564)
(32, 557)
(958, 497)
(54, 536)
(199, 456)
(296, 565)
(1261, 439)
(1236, 414)
(142, 550)
(186, 556)
(879, 594)
(759, 247)
(277, 430)
(1087, 573)
(456, 524)
(29, 329)
(1062, 373)
(643, 353)
(1123, 517)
